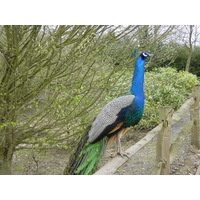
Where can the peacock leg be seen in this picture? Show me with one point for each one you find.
(119, 149)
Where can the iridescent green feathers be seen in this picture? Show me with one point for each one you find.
(86, 156)
(90, 156)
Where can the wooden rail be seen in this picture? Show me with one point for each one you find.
(163, 141)
(198, 171)
(165, 154)
(195, 138)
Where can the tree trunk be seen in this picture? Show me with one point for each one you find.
(190, 48)
(6, 160)
(187, 67)
(7, 149)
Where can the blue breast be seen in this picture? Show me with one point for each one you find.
(132, 114)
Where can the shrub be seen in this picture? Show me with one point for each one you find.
(165, 87)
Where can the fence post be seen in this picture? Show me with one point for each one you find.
(163, 141)
(194, 112)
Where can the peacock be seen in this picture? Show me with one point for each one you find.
(110, 124)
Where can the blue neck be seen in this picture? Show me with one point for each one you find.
(137, 87)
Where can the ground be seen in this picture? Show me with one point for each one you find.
(188, 163)
(53, 161)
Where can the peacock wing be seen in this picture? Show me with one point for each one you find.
(108, 116)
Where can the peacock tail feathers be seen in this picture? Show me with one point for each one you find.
(86, 156)
(90, 156)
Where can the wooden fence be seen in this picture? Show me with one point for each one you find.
(165, 151)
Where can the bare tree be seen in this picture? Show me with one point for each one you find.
(188, 35)
(46, 71)
(189, 47)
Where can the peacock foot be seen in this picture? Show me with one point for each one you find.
(123, 153)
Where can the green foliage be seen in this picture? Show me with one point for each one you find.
(12, 124)
(20, 168)
(165, 87)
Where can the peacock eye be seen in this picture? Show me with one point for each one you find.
(145, 54)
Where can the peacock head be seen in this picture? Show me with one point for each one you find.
(145, 55)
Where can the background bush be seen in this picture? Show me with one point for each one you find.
(165, 87)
